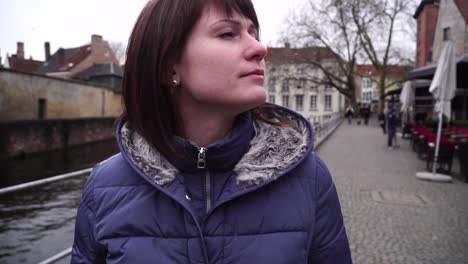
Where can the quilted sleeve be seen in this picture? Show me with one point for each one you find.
(85, 247)
(329, 242)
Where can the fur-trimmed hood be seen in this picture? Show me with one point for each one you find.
(264, 157)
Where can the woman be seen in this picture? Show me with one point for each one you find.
(207, 172)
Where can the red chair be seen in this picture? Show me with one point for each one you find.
(446, 152)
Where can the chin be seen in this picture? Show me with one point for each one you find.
(252, 104)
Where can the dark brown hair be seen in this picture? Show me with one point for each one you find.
(156, 44)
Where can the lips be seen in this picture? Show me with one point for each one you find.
(256, 72)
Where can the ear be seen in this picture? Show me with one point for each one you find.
(176, 73)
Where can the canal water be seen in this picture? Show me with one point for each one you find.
(38, 223)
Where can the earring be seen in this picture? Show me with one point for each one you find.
(174, 82)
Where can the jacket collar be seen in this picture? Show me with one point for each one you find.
(256, 151)
(221, 155)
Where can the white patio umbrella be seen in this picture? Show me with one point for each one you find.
(6, 65)
(406, 96)
(443, 89)
(406, 99)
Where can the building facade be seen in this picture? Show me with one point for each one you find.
(451, 25)
(367, 88)
(438, 21)
(426, 16)
(94, 62)
(290, 82)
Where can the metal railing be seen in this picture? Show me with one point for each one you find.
(37, 183)
(32, 184)
(58, 256)
(328, 123)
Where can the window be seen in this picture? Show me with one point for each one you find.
(327, 86)
(301, 70)
(292, 82)
(447, 33)
(301, 83)
(285, 85)
(315, 72)
(285, 102)
(271, 99)
(367, 96)
(366, 83)
(313, 102)
(286, 69)
(299, 101)
(42, 103)
(272, 84)
(328, 102)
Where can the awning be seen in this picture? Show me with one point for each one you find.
(427, 72)
(417, 83)
(393, 91)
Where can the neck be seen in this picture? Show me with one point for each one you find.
(204, 127)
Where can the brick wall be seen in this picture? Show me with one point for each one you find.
(21, 94)
(427, 21)
(25, 137)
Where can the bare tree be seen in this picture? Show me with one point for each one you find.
(329, 24)
(119, 50)
(356, 31)
(377, 38)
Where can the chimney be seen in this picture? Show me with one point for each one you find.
(47, 50)
(287, 45)
(20, 50)
(96, 39)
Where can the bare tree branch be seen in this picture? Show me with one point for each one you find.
(119, 50)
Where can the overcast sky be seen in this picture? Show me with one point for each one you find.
(70, 23)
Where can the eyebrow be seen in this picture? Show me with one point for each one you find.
(235, 22)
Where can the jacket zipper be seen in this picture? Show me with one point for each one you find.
(201, 164)
(208, 190)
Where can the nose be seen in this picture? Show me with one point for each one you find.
(255, 50)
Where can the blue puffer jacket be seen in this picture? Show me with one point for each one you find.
(258, 196)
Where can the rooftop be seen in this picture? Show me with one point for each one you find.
(298, 55)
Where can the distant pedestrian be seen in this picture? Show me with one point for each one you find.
(349, 114)
(382, 122)
(366, 114)
(392, 122)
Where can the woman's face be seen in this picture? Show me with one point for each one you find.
(222, 65)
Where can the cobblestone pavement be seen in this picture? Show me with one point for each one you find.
(390, 216)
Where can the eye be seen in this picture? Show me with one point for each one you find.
(228, 35)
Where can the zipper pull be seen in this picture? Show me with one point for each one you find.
(201, 163)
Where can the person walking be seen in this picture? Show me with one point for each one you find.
(349, 113)
(366, 114)
(392, 123)
(382, 122)
(207, 171)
